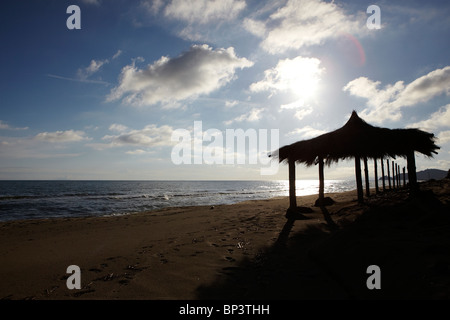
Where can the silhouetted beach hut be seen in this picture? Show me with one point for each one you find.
(359, 140)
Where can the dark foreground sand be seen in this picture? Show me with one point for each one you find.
(243, 251)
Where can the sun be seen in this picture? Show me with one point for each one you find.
(301, 76)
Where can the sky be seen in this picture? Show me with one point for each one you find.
(154, 89)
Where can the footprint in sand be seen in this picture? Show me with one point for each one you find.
(162, 259)
(230, 259)
(196, 253)
(145, 249)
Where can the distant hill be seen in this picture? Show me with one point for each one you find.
(427, 174)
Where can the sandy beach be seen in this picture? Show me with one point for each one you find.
(247, 250)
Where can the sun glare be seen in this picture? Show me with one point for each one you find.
(301, 76)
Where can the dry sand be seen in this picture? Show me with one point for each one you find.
(247, 250)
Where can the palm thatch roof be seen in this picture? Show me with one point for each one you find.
(357, 138)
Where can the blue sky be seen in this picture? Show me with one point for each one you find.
(104, 101)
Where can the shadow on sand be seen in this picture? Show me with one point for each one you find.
(282, 271)
(409, 240)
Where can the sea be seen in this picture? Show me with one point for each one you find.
(59, 199)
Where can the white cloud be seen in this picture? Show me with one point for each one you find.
(5, 126)
(137, 152)
(386, 103)
(379, 101)
(204, 11)
(62, 136)
(149, 136)
(300, 114)
(45, 145)
(83, 74)
(93, 67)
(118, 127)
(444, 137)
(307, 132)
(194, 20)
(94, 2)
(302, 23)
(255, 27)
(424, 88)
(252, 116)
(152, 6)
(300, 110)
(298, 104)
(117, 54)
(439, 119)
(201, 70)
(299, 75)
(230, 104)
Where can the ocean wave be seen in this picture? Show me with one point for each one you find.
(44, 199)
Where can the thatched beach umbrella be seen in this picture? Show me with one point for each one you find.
(359, 140)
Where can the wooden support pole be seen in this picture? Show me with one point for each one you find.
(359, 179)
(393, 174)
(412, 176)
(396, 175)
(375, 170)
(321, 181)
(366, 177)
(388, 174)
(382, 174)
(292, 195)
(404, 178)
